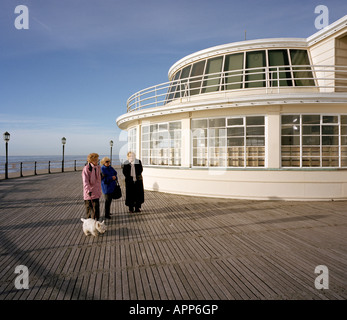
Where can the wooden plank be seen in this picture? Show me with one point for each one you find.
(180, 247)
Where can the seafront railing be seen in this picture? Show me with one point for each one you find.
(28, 168)
(24, 168)
(318, 78)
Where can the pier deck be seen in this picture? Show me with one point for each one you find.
(179, 247)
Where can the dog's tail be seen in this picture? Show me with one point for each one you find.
(83, 219)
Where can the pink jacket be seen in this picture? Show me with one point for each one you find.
(91, 176)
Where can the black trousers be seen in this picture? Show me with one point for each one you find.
(108, 201)
(92, 209)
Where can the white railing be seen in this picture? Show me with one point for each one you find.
(318, 77)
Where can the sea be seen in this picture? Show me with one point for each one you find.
(42, 162)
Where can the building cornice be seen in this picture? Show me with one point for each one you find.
(327, 31)
(230, 102)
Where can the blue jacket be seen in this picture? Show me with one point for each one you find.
(107, 183)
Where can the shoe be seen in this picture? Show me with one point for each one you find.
(107, 217)
(137, 210)
(131, 210)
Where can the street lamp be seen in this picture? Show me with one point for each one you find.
(111, 144)
(7, 139)
(63, 141)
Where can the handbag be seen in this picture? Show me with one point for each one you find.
(117, 192)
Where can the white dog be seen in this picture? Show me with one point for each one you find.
(92, 226)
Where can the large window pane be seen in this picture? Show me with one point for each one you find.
(279, 58)
(311, 119)
(235, 132)
(255, 69)
(302, 75)
(132, 139)
(212, 81)
(291, 140)
(330, 119)
(235, 121)
(254, 121)
(195, 81)
(311, 130)
(233, 67)
(174, 90)
(219, 122)
(291, 119)
(255, 131)
(183, 90)
(196, 124)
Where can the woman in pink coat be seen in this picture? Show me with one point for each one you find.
(91, 176)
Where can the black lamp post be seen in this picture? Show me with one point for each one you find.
(7, 139)
(63, 141)
(111, 145)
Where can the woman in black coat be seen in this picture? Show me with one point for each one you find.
(134, 195)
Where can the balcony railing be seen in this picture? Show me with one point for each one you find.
(320, 78)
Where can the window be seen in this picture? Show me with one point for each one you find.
(252, 69)
(195, 79)
(132, 140)
(236, 142)
(344, 141)
(217, 142)
(229, 142)
(161, 144)
(312, 140)
(255, 61)
(278, 59)
(303, 75)
(212, 80)
(183, 91)
(291, 126)
(173, 91)
(199, 136)
(233, 67)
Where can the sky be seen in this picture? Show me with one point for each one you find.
(71, 72)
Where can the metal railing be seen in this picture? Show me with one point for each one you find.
(29, 168)
(318, 77)
(25, 168)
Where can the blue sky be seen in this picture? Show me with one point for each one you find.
(71, 73)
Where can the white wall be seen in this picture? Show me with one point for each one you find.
(316, 185)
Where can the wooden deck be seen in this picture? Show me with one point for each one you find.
(178, 248)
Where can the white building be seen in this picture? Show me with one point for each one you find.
(258, 119)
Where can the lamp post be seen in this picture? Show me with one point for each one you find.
(63, 141)
(7, 139)
(111, 145)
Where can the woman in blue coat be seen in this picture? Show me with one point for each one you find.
(108, 183)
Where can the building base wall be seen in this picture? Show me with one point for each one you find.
(252, 184)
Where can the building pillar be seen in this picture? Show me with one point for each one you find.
(185, 143)
(273, 135)
(138, 141)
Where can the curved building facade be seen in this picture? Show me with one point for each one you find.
(259, 119)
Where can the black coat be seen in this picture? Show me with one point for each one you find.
(134, 194)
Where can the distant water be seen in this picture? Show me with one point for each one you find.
(28, 162)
